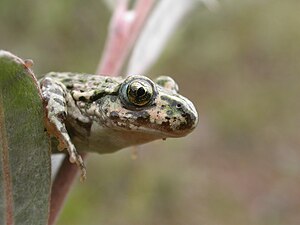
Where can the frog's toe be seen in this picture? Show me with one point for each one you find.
(79, 162)
(81, 165)
(72, 158)
(83, 174)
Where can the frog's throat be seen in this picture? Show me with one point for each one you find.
(110, 140)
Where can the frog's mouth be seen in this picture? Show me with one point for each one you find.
(162, 128)
(165, 130)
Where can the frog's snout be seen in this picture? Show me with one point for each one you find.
(189, 118)
(181, 116)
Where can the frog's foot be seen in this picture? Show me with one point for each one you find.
(54, 97)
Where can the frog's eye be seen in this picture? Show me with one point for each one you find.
(137, 91)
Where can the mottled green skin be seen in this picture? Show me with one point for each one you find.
(103, 114)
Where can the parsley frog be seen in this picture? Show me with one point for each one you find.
(105, 114)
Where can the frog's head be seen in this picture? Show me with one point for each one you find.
(149, 108)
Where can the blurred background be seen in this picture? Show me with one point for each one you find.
(239, 65)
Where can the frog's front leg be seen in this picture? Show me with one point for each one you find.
(55, 98)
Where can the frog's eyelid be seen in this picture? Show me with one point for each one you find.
(167, 83)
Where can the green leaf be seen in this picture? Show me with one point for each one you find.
(24, 146)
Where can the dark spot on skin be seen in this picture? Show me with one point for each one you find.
(62, 116)
(167, 118)
(105, 111)
(63, 130)
(189, 121)
(46, 98)
(59, 101)
(81, 98)
(163, 106)
(97, 95)
(66, 80)
(69, 86)
(142, 117)
(166, 126)
(81, 91)
(113, 98)
(114, 115)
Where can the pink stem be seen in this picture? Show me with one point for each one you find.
(124, 29)
(123, 32)
(61, 187)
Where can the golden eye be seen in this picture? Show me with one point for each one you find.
(139, 92)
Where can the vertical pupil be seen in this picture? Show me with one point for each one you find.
(140, 91)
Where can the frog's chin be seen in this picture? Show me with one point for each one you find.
(163, 134)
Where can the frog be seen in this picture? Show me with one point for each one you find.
(104, 114)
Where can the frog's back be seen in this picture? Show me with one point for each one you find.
(85, 82)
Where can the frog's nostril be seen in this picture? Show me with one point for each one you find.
(178, 106)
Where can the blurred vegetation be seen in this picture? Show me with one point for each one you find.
(240, 67)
